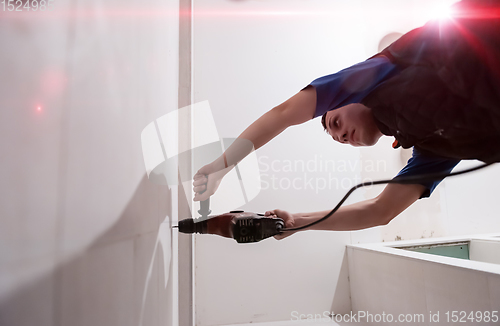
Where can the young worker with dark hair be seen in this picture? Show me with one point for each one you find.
(436, 89)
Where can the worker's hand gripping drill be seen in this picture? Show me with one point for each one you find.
(207, 180)
(290, 220)
(242, 226)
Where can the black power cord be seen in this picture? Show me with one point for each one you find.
(402, 180)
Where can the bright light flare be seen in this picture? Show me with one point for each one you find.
(39, 108)
(441, 11)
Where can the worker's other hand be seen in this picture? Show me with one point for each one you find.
(291, 220)
(207, 180)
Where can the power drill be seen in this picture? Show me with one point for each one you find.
(244, 227)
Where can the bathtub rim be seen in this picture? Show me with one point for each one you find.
(394, 248)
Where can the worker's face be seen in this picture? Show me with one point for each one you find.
(353, 124)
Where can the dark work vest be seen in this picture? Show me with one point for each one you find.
(446, 100)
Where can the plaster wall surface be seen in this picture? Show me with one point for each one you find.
(85, 238)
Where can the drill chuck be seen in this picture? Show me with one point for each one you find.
(190, 226)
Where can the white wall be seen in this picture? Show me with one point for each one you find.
(471, 201)
(250, 56)
(80, 222)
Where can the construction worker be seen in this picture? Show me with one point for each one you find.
(436, 89)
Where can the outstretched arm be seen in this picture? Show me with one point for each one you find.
(296, 110)
(380, 210)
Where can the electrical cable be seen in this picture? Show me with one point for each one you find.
(403, 180)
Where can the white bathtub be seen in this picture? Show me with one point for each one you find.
(425, 288)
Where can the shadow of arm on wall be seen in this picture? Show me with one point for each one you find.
(119, 279)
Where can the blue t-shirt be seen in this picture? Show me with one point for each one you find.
(353, 84)
(420, 163)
